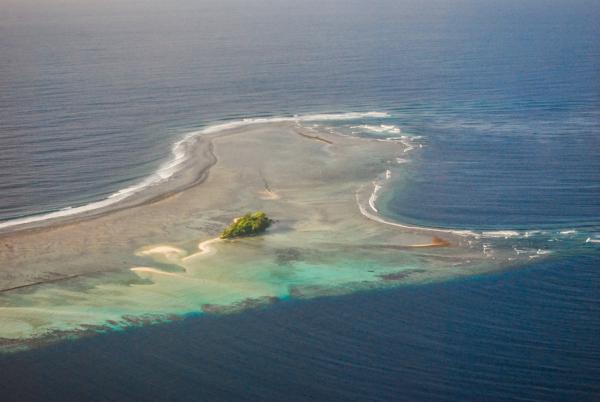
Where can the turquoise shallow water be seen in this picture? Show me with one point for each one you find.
(527, 334)
(504, 99)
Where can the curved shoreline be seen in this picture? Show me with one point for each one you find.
(198, 174)
(182, 171)
(365, 203)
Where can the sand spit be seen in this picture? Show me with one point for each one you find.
(153, 271)
(206, 249)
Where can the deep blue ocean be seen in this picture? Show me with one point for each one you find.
(504, 96)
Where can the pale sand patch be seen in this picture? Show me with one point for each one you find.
(269, 195)
(165, 252)
(152, 271)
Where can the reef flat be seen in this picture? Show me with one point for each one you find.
(161, 259)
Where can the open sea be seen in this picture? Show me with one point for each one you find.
(501, 98)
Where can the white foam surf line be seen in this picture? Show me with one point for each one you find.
(382, 128)
(377, 218)
(374, 196)
(179, 156)
(501, 234)
(297, 118)
(410, 143)
(378, 186)
(567, 232)
(506, 234)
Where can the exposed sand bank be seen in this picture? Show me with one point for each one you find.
(152, 271)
